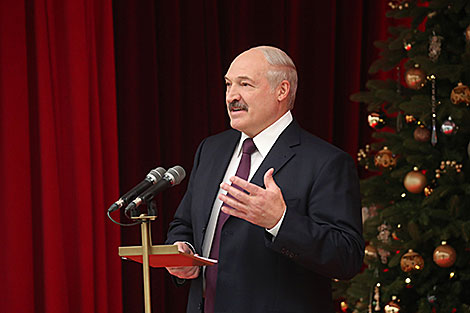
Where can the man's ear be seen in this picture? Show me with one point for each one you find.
(283, 90)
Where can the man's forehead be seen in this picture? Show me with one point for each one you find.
(249, 65)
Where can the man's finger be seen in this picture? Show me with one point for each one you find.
(251, 188)
(233, 212)
(235, 192)
(232, 202)
(269, 180)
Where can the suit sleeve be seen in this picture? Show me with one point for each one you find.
(180, 228)
(328, 238)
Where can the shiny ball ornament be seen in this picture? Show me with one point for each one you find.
(411, 261)
(385, 158)
(444, 255)
(415, 78)
(422, 134)
(392, 307)
(449, 127)
(415, 182)
(460, 94)
(370, 252)
(376, 120)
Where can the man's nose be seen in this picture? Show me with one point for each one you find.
(232, 94)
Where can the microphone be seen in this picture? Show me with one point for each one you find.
(152, 178)
(172, 177)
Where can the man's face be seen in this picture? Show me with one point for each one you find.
(251, 104)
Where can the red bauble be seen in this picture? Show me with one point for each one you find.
(415, 78)
(444, 255)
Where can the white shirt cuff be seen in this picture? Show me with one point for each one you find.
(273, 231)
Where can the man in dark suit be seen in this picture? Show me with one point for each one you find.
(278, 207)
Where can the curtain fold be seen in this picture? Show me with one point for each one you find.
(59, 126)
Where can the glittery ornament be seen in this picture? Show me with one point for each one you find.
(376, 120)
(460, 94)
(384, 254)
(368, 212)
(384, 233)
(433, 110)
(435, 43)
(375, 304)
(449, 127)
(431, 297)
(422, 134)
(444, 255)
(385, 158)
(415, 181)
(411, 261)
(415, 78)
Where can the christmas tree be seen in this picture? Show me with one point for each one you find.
(416, 197)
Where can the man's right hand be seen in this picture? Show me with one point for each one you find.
(184, 272)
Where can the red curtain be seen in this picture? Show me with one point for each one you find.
(59, 157)
(171, 57)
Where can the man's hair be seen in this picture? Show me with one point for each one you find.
(282, 68)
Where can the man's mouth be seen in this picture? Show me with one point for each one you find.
(237, 106)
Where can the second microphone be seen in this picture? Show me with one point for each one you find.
(172, 177)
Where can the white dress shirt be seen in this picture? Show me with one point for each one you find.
(263, 142)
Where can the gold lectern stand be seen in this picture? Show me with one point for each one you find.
(157, 256)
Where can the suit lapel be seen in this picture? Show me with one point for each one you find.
(279, 154)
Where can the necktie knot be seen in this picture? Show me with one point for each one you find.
(248, 146)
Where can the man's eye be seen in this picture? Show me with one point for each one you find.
(245, 84)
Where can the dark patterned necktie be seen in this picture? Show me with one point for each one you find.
(243, 172)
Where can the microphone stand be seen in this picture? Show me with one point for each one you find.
(145, 229)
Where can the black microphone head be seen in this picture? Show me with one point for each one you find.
(176, 174)
(156, 174)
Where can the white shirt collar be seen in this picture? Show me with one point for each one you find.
(266, 139)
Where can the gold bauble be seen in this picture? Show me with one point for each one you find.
(415, 182)
(444, 255)
(460, 94)
(385, 158)
(411, 261)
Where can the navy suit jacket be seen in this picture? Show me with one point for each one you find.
(319, 239)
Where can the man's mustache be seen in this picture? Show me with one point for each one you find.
(237, 105)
